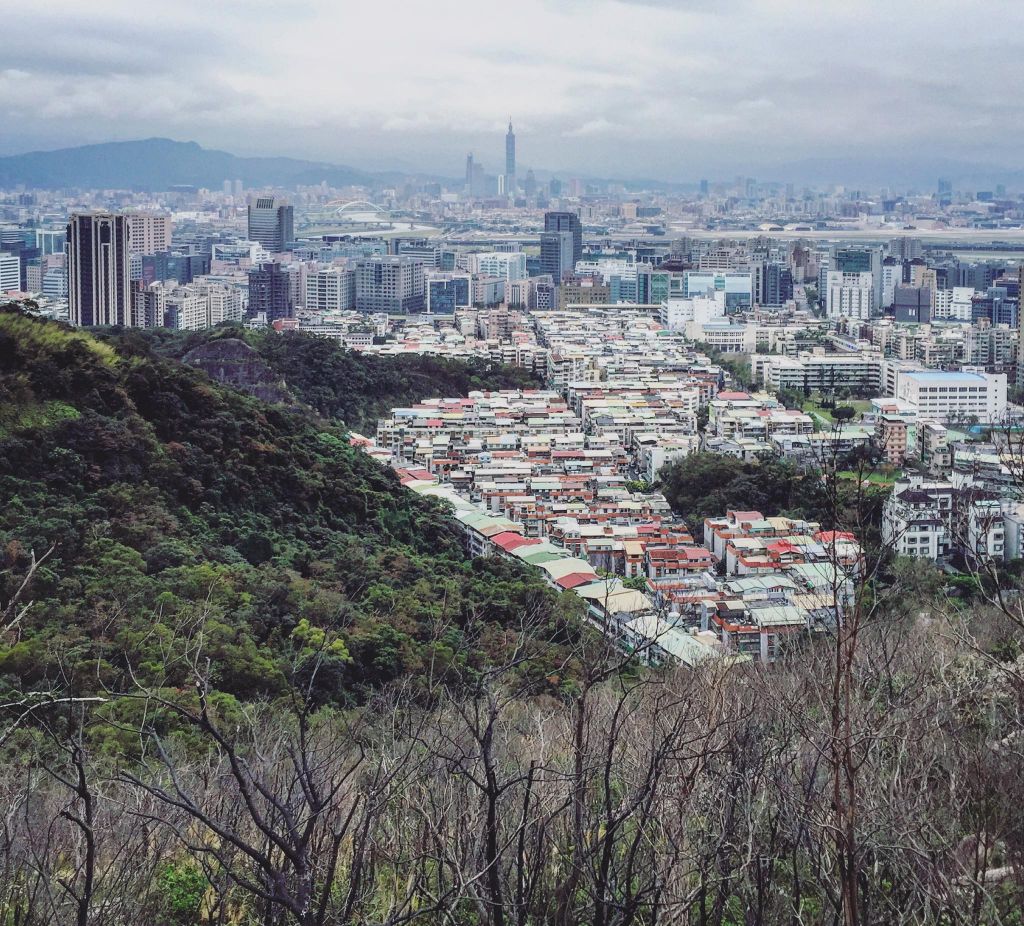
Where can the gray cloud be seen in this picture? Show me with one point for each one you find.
(671, 88)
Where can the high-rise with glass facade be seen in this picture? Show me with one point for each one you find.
(271, 223)
(566, 222)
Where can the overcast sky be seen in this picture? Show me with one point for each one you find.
(673, 89)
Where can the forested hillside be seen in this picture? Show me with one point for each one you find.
(355, 388)
(166, 497)
(247, 679)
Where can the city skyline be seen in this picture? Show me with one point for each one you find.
(742, 86)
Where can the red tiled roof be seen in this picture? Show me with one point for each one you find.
(573, 579)
(510, 540)
(834, 536)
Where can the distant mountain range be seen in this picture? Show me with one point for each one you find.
(160, 163)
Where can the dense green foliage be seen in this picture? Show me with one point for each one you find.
(709, 484)
(172, 500)
(353, 387)
(737, 365)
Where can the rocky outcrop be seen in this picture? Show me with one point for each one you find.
(234, 363)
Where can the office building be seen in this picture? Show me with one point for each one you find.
(187, 309)
(390, 284)
(510, 266)
(776, 287)
(860, 260)
(556, 253)
(98, 273)
(26, 254)
(446, 292)
(738, 287)
(566, 222)
(50, 240)
(510, 160)
(912, 304)
(427, 254)
(10, 272)
(272, 223)
(55, 283)
(270, 292)
(945, 396)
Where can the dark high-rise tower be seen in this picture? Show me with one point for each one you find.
(270, 292)
(469, 174)
(567, 222)
(510, 159)
(98, 269)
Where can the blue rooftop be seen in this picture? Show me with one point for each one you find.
(938, 375)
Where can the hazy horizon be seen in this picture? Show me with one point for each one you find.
(612, 88)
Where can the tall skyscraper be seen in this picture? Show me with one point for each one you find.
(469, 174)
(510, 159)
(271, 223)
(99, 290)
(566, 222)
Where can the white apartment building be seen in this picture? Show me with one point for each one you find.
(892, 276)
(188, 309)
(225, 303)
(676, 314)
(984, 533)
(821, 372)
(509, 266)
(916, 519)
(954, 304)
(941, 395)
(192, 307)
(850, 294)
(331, 289)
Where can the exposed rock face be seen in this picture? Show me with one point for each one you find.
(234, 363)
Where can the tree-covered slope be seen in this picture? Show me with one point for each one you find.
(356, 388)
(172, 501)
